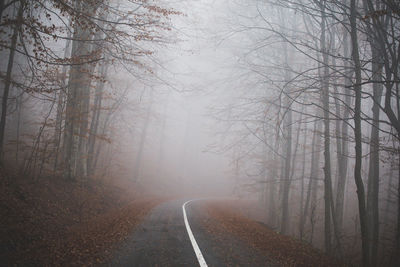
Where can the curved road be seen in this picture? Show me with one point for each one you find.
(163, 239)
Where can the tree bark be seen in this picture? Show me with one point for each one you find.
(2, 2)
(78, 97)
(357, 135)
(61, 106)
(95, 119)
(343, 155)
(325, 101)
(302, 213)
(272, 186)
(373, 174)
(311, 180)
(315, 163)
(287, 164)
(7, 82)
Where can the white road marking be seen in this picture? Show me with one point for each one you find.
(196, 248)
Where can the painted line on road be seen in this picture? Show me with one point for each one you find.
(196, 248)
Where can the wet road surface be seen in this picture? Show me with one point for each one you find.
(162, 240)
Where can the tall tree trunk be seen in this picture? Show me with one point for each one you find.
(264, 178)
(314, 162)
(357, 135)
(84, 130)
(19, 103)
(343, 155)
(397, 251)
(302, 213)
(272, 186)
(7, 82)
(287, 131)
(287, 164)
(94, 125)
(373, 174)
(71, 134)
(325, 102)
(296, 146)
(61, 106)
(77, 111)
(398, 213)
(315, 167)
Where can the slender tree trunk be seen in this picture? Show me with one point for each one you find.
(264, 178)
(89, 69)
(373, 174)
(7, 82)
(272, 186)
(325, 101)
(397, 252)
(315, 167)
(397, 262)
(292, 168)
(73, 108)
(357, 135)
(286, 176)
(19, 102)
(339, 153)
(61, 106)
(296, 147)
(95, 119)
(314, 158)
(287, 128)
(343, 156)
(336, 228)
(302, 213)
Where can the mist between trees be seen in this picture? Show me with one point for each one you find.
(297, 103)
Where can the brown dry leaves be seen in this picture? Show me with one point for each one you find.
(94, 242)
(52, 222)
(281, 249)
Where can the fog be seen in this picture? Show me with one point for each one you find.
(175, 113)
(293, 106)
(183, 148)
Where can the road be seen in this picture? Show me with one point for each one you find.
(163, 239)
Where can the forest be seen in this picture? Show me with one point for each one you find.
(288, 110)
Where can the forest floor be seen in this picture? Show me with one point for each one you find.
(53, 222)
(226, 218)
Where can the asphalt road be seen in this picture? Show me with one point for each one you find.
(162, 240)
